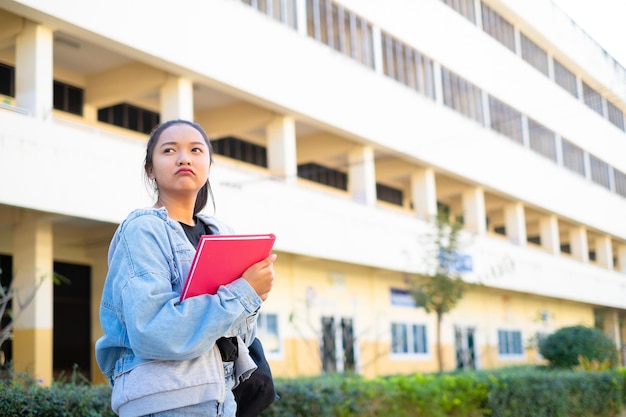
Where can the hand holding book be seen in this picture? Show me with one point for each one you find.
(221, 259)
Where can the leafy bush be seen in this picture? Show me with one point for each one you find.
(24, 397)
(563, 347)
(562, 393)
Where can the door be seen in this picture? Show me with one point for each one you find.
(338, 345)
(465, 344)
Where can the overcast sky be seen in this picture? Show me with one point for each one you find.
(603, 20)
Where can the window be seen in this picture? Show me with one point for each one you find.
(573, 157)
(323, 175)
(592, 99)
(408, 338)
(498, 27)
(340, 29)
(600, 172)
(565, 78)
(68, 98)
(240, 150)
(615, 115)
(389, 194)
(510, 342)
(505, 119)
(464, 8)
(462, 96)
(620, 182)
(267, 332)
(542, 139)
(7, 80)
(283, 11)
(129, 117)
(534, 55)
(407, 66)
(401, 298)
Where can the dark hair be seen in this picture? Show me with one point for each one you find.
(205, 191)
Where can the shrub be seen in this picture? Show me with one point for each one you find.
(563, 348)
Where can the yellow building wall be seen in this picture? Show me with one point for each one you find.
(307, 289)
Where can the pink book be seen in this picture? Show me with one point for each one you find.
(221, 259)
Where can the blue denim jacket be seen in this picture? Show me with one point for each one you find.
(140, 313)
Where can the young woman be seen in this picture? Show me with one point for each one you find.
(164, 357)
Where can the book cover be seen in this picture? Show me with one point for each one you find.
(221, 259)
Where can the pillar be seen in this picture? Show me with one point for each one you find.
(177, 99)
(424, 193)
(549, 232)
(604, 252)
(474, 214)
(362, 175)
(33, 70)
(281, 148)
(33, 305)
(579, 244)
(515, 223)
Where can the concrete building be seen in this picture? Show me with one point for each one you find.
(341, 126)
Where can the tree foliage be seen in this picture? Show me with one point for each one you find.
(565, 347)
(441, 288)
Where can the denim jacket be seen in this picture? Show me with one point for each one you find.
(140, 312)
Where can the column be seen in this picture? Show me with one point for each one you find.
(621, 258)
(362, 175)
(33, 70)
(549, 232)
(177, 99)
(474, 214)
(515, 223)
(32, 280)
(301, 17)
(424, 193)
(579, 244)
(281, 148)
(604, 252)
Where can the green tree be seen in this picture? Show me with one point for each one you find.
(441, 288)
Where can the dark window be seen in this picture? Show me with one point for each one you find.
(620, 182)
(505, 119)
(407, 66)
(542, 139)
(565, 78)
(592, 99)
(534, 55)
(573, 157)
(68, 98)
(501, 230)
(340, 29)
(72, 343)
(240, 150)
(129, 117)
(616, 116)
(463, 7)
(498, 27)
(389, 194)
(462, 96)
(534, 239)
(7, 80)
(6, 349)
(600, 172)
(323, 175)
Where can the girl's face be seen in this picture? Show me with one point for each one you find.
(181, 161)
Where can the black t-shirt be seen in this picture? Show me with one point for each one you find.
(227, 345)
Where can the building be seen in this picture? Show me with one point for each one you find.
(341, 126)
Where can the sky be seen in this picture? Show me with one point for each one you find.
(603, 20)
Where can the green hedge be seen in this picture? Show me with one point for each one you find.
(518, 392)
